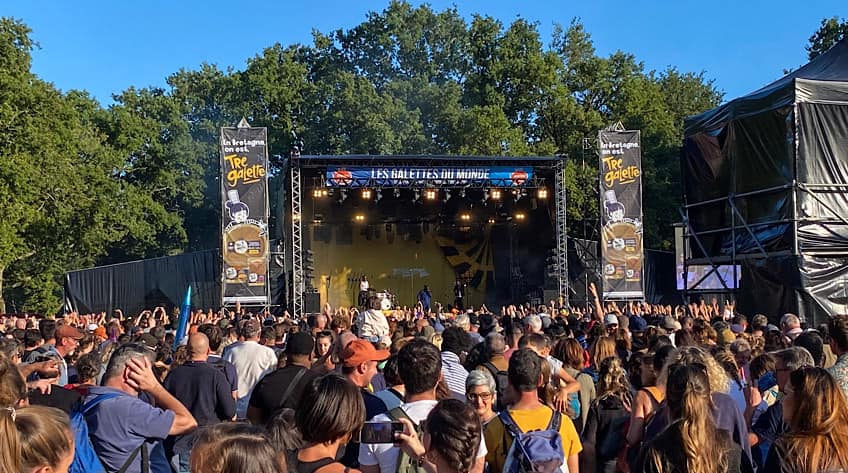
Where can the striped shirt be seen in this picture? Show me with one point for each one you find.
(454, 373)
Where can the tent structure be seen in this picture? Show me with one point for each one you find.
(765, 181)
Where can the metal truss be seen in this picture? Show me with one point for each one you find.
(356, 183)
(297, 242)
(561, 228)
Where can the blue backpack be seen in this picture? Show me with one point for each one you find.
(85, 458)
(537, 451)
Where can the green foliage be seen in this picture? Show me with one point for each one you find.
(84, 185)
(830, 32)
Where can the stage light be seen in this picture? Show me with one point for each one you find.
(366, 194)
(430, 194)
(491, 221)
(318, 218)
(318, 193)
(520, 217)
(495, 194)
(465, 217)
(542, 193)
(359, 218)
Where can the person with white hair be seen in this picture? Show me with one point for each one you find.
(533, 323)
(482, 393)
(790, 325)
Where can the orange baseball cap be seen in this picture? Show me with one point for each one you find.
(359, 351)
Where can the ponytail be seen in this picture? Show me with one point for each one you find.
(10, 446)
(33, 437)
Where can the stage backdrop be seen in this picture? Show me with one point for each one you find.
(403, 267)
(244, 214)
(622, 253)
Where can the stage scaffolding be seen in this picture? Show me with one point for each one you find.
(297, 164)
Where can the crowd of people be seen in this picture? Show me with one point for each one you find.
(611, 388)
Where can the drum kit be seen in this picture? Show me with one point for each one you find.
(386, 298)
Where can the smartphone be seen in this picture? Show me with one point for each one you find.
(380, 432)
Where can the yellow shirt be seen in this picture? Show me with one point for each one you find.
(498, 441)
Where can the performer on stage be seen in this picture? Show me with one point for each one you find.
(459, 295)
(424, 298)
(363, 291)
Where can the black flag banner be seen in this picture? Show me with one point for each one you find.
(244, 215)
(622, 253)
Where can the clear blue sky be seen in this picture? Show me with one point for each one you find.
(106, 46)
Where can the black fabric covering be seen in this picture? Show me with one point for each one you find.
(785, 142)
(138, 285)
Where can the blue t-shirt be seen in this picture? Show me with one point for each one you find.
(117, 426)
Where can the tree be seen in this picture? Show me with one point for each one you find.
(831, 31)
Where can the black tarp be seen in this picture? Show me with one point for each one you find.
(145, 284)
(781, 156)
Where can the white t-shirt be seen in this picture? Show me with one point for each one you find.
(363, 286)
(252, 362)
(386, 455)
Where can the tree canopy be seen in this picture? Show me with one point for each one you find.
(82, 184)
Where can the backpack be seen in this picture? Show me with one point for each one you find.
(406, 464)
(85, 458)
(501, 382)
(537, 451)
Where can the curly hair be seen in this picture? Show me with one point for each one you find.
(612, 380)
(454, 430)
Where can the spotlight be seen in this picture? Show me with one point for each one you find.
(366, 194)
(359, 218)
(318, 193)
(430, 194)
(465, 217)
(542, 193)
(491, 220)
(495, 194)
(520, 217)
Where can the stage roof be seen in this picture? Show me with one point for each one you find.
(823, 80)
(424, 160)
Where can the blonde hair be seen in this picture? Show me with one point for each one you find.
(33, 437)
(705, 448)
(602, 348)
(719, 381)
(612, 380)
(816, 440)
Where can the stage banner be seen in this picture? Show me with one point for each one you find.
(244, 197)
(622, 254)
(495, 176)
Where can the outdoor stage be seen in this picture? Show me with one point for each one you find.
(494, 224)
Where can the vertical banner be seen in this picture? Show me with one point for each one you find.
(622, 253)
(244, 197)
